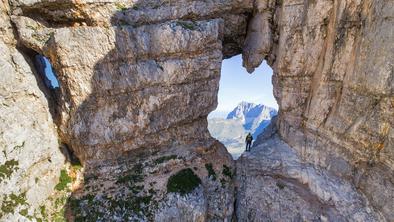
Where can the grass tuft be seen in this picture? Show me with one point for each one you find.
(64, 180)
(280, 185)
(227, 171)
(183, 182)
(187, 25)
(211, 172)
(8, 168)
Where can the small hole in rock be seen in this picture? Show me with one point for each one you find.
(46, 72)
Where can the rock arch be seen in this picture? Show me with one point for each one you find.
(142, 75)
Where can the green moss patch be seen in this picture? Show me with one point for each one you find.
(54, 207)
(24, 212)
(76, 164)
(183, 182)
(64, 180)
(187, 25)
(43, 211)
(280, 185)
(12, 201)
(89, 208)
(120, 6)
(56, 210)
(211, 172)
(227, 172)
(8, 168)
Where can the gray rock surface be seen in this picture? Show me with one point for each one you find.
(178, 208)
(333, 80)
(30, 159)
(275, 184)
(128, 82)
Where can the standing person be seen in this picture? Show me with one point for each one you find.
(248, 140)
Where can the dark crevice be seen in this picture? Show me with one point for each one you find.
(234, 46)
(55, 14)
(235, 195)
(52, 95)
(69, 154)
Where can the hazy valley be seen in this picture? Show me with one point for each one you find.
(231, 128)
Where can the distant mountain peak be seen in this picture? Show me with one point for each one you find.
(245, 117)
(244, 103)
(245, 110)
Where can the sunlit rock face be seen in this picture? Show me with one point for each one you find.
(333, 79)
(30, 159)
(281, 187)
(333, 76)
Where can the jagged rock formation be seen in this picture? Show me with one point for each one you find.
(139, 78)
(128, 82)
(281, 187)
(30, 161)
(254, 117)
(333, 79)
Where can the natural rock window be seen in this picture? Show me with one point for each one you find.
(245, 104)
(138, 80)
(45, 70)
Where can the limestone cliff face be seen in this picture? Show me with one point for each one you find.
(137, 82)
(333, 79)
(333, 75)
(138, 79)
(30, 159)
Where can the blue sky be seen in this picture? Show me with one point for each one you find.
(237, 85)
(50, 74)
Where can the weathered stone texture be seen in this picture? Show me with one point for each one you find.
(276, 184)
(30, 159)
(139, 77)
(346, 90)
(333, 79)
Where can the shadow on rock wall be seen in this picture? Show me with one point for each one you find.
(138, 118)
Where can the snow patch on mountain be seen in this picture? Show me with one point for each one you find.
(254, 117)
(245, 117)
